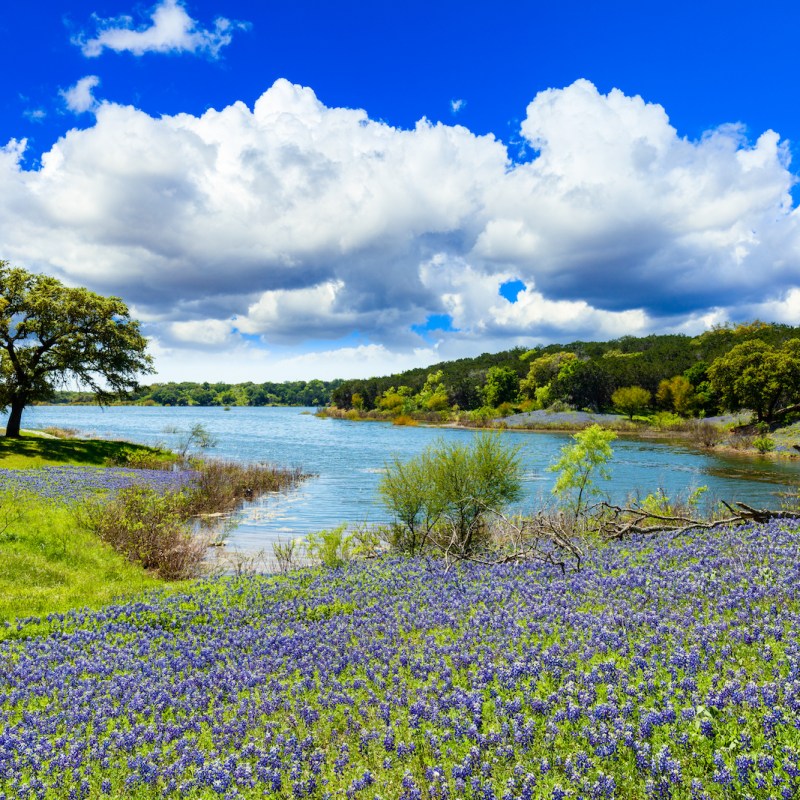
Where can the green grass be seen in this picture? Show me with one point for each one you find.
(50, 564)
(33, 451)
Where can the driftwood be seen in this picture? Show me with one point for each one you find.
(624, 521)
(546, 537)
(557, 539)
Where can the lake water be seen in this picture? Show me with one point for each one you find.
(347, 459)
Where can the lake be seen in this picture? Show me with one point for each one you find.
(347, 459)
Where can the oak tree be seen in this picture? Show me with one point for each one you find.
(51, 333)
(757, 376)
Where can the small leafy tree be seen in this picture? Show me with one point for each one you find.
(676, 394)
(578, 466)
(449, 490)
(631, 400)
(50, 333)
(502, 386)
(197, 436)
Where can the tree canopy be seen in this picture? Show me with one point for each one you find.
(51, 333)
(757, 376)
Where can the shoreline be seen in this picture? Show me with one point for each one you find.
(625, 428)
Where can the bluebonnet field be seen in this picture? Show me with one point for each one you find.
(68, 483)
(666, 668)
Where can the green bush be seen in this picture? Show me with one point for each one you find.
(764, 444)
(150, 528)
(330, 548)
(449, 491)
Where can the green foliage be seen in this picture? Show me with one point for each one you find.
(543, 370)
(631, 400)
(667, 421)
(408, 492)
(583, 384)
(502, 386)
(764, 444)
(150, 528)
(578, 466)
(756, 376)
(581, 374)
(676, 394)
(396, 401)
(330, 548)
(449, 490)
(50, 332)
(433, 395)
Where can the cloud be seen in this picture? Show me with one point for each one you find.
(80, 97)
(35, 114)
(457, 105)
(206, 333)
(172, 30)
(291, 224)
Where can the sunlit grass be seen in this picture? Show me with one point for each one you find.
(50, 564)
(32, 451)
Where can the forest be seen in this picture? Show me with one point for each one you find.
(754, 366)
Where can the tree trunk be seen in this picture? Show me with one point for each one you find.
(14, 419)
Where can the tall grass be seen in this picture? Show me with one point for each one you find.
(168, 532)
(223, 486)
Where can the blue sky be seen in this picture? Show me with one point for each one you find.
(317, 189)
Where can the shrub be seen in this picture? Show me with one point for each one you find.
(222, 486)
(150, 528)
(329, 548)
(667, 421)
(141, 458)
(706, 433)
(764, 444)
(284, 553)
(449, 491)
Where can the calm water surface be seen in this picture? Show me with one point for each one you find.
(347, 459)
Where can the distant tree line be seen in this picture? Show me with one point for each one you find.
(755, 366)
(314, 393)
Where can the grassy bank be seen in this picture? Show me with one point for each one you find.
(32, 451)
(84, 522)
(50, 564)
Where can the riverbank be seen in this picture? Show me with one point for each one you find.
(729, 433)
(84, 522)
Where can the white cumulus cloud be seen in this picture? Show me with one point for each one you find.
(291, 223)
(171, 30)
(80, 97)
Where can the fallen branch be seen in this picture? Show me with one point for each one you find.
(548, 538)
(634, 520)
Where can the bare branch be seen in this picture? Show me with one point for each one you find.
(622, 521)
